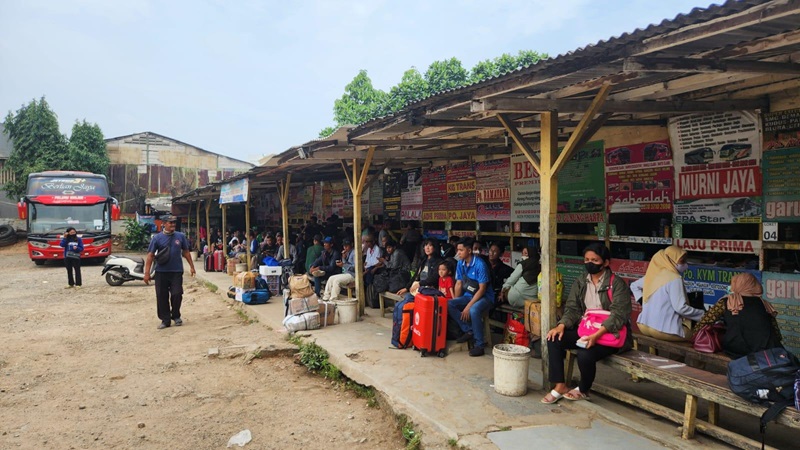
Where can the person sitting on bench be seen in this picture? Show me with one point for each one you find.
(325, 265)
(347, 266)
(474, 296)
(750, 324)
(427, 274)
(522, 284)
(588, 292)
(664, 301)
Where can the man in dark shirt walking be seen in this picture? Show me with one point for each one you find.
(170, 245)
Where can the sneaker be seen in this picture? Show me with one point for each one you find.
(319, 273)
(178, 322)
(163, 325)
(69, 287)
(476, 351)
(466, 337)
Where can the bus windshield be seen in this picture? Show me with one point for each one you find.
(57, 218)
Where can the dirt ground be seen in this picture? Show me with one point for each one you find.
(88, 369)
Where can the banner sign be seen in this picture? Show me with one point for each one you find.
(411, 195)
(783, 291)
(391, 195)
(337, 198)
(639, 178)
(719, 210)
(434, 194)
(581, 179)
(716, 155)
(461, 185)
(781, 166)
(630, 271)
(234, 192)
(492, 192)
(712, 281)
(525, 190)
(719, 245)
(376, 198)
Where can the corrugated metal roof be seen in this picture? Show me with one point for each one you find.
(174, 140)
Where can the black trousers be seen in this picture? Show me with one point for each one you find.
(73, 264)
(169, 293)
(587, 359)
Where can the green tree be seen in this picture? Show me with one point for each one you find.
(327, 131)
(38, 145)
(503, 64)
(444, 75)
(412, 87)
(87, 149)
(360, 102)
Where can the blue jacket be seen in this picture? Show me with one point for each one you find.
(75, 246)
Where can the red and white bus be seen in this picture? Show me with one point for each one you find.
(57, 200)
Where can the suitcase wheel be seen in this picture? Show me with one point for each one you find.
(441, 353)
(423, 353)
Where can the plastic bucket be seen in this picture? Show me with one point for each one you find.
(347, 310)
(511, 364)
(193, 255)
(241, 267)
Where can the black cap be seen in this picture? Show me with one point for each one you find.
(169, 219)
(347, 241)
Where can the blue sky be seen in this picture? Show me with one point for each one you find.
(248, 78)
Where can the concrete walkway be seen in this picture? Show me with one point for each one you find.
(452, 399)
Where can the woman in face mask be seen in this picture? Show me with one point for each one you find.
(664, 302)
(598, 289)
(73, 246)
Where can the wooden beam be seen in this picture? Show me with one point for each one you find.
(580, 131)
(283, 190)
(520, 141)
(547, 230)
(332, 156)
(413, 142)
(683, 65)
(530, 105)
(247, 227)
(347, 175)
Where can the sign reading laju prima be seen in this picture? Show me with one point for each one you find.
(492, 193)
(580, 181)
(639, 178)
(717, 156)
(783, 291)
(234, 192)
(411, 195)
(781, 166)
(434, 193)
(525, 190)
(719, 245)
(461, 192)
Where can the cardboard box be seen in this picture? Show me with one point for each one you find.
(327, 313)
(245, 280)
(270, 270)
(303, 304)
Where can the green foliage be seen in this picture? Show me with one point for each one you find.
(136, 235)
(39, 145)
(87, 148)
(315, 358)
(413, 437)
(362, 102)
(444, 75)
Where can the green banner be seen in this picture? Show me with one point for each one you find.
(581, 183)
(781, 185)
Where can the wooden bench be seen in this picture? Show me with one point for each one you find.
(391, 296)
(696, 384)
(713, 362)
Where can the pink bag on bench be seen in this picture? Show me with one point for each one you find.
(592, 321)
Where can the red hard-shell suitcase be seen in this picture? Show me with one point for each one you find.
(430, 325)
(219, 261)
(208, 262)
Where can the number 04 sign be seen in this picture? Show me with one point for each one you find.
(770, 231)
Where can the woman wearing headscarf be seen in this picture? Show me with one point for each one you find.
(522, 284)
(750, 324)
(664, 302)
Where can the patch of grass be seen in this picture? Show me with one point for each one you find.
(364, 392)
(295, 339)
(210, 286)
(315, 358)
(410, 434)
(506, 428)
(245, 318)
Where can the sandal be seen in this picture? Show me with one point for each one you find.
(553, 397)
(575, 395)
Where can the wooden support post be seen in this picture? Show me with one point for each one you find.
(224, 209)
(547, 230)
(189, 224)
(358, 182)
(689, 417)
(247, 227)
(283, 191)
(713, 413)
(208, 227)
(197, 216)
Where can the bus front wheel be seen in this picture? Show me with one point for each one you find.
(38, 262)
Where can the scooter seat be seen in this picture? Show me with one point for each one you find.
(136, 259)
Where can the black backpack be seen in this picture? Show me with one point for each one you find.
(764, 377)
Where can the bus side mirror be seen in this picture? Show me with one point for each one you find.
(114, 211)
(22, 210)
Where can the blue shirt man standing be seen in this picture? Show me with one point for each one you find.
(169, 271)
(474, 296)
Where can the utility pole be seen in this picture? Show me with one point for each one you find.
(147, 163)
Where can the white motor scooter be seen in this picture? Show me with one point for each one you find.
(119, 269)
